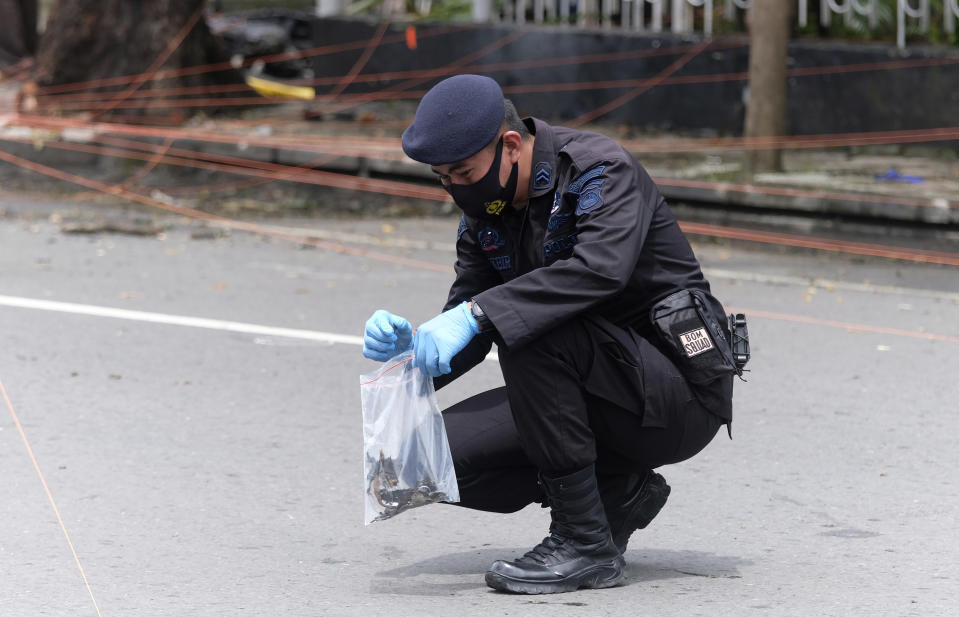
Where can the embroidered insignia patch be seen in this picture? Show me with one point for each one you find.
(590, 199)
(503, 262)
(695, 342)
(579, 183)
(589, 187)
(489, 240)
(495, 207)
(542, 175)
(559, 246)
(558, 220)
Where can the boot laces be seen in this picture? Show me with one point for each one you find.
(545, 549)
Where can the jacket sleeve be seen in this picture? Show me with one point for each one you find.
(615, 202)
(473, 275)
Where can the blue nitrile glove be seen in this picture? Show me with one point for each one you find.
(386, 335)
(441, 338)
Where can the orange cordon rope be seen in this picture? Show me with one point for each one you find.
(415, 73)
(833, 140)
(278, 171)
(272, 171)
(242, 184)
(650, 83)
(387, 93)
(239, 101)
(204, 189)
(16, 71)
(363, 145)
(841, 246)
(56, 100)
(311, 144)
(846, 325)
(384, 372)
(389, 150)
(371, 46)
(281, 172)
(225, 66)
(391, 91)
(143, 171)
(157, 63)
(692, 228)
(76, 102)
(46, 489)
(789, 192)
(220, 220)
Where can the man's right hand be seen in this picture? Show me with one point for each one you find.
(386, 335)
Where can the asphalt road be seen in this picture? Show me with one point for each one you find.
(205, 471)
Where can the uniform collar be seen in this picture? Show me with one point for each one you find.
(542, 176)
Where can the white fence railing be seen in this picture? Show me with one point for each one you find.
(632, 15)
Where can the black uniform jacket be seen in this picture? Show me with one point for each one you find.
(596, 240)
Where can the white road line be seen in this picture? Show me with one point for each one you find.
(178, 320)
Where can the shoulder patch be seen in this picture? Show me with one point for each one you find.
(577, 186)
(591, 198)
(542, 175)
(589, 188)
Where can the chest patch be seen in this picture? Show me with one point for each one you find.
(490, 240)
(501, 262)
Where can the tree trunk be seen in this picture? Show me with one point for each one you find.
(87, 41)
(769, 29)
(18, 30)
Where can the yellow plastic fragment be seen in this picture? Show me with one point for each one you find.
(267, 88)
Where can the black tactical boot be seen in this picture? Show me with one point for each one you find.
(579, 551)
(632, 501)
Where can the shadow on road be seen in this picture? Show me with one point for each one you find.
(464, 571)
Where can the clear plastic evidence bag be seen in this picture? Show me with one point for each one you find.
(407, 461)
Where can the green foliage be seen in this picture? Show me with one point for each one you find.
(447, 10)
(247, 5)
(858, 27)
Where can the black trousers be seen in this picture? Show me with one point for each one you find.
(582, 394)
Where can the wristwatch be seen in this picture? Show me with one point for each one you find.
(484, 323)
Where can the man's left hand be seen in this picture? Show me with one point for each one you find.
(441, 338)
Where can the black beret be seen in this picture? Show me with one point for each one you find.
(456, 119)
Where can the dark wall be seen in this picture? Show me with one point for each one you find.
(911, 98)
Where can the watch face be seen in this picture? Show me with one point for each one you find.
(479, 315)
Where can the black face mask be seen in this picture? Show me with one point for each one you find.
(485, 198)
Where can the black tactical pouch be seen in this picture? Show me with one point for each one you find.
(739, 336)
(693, 337)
